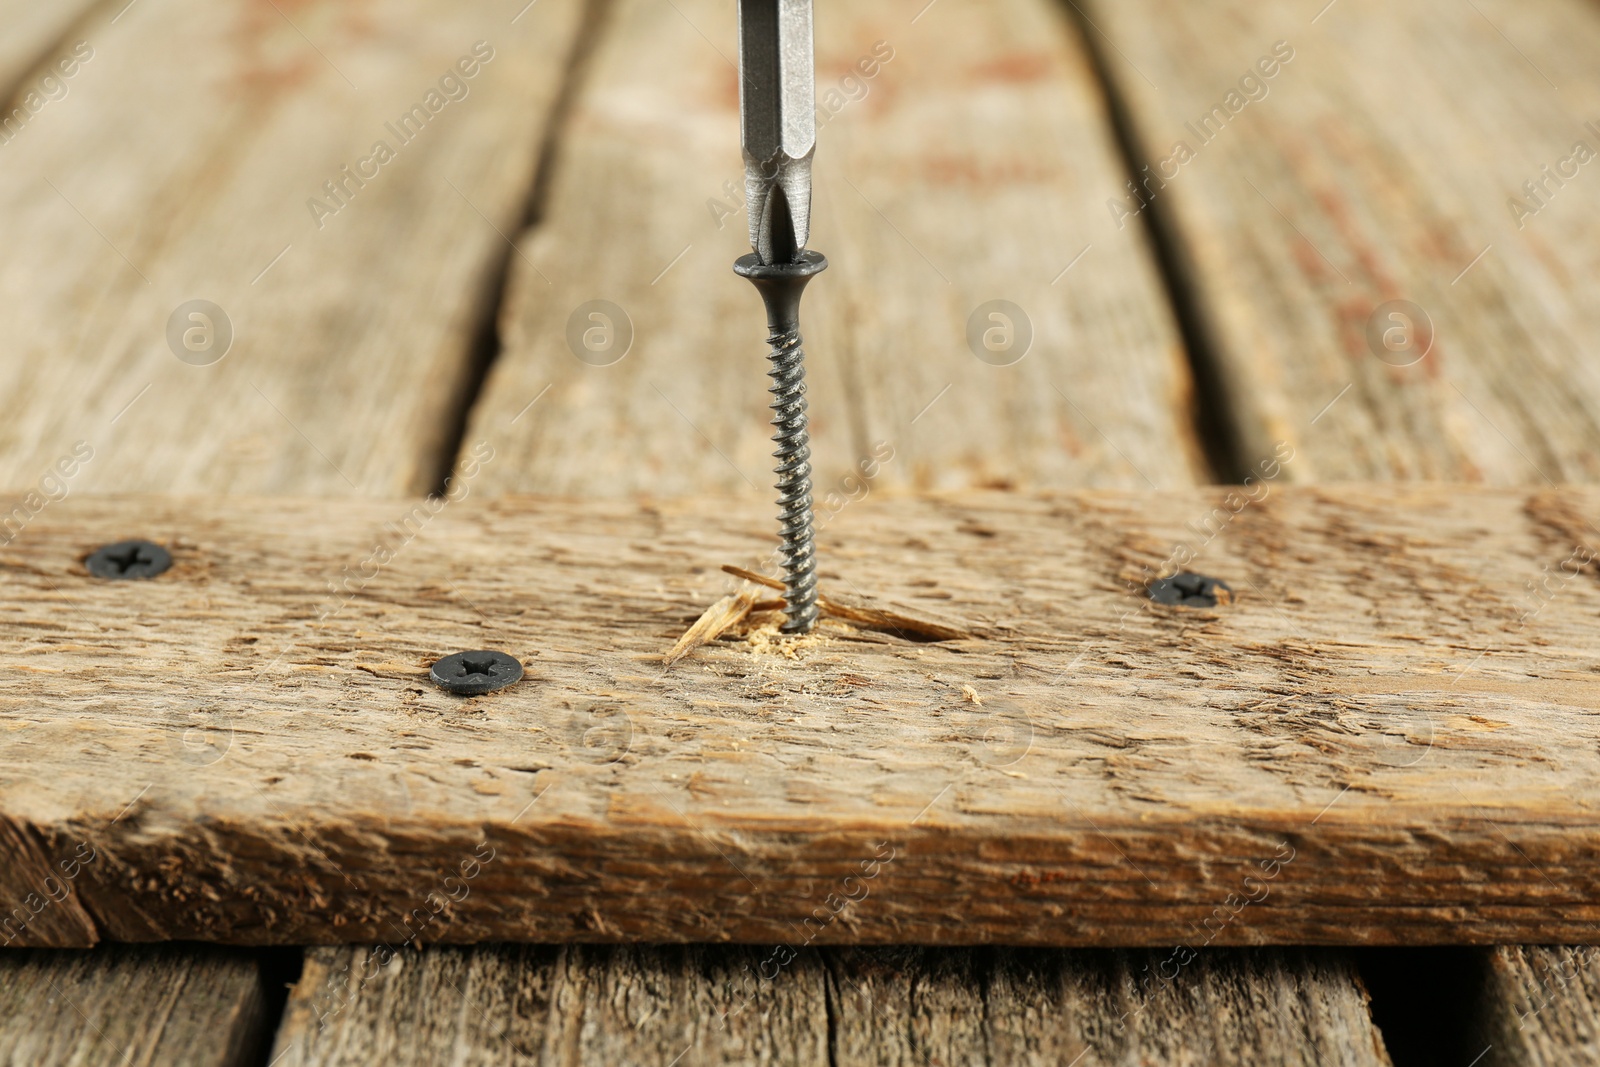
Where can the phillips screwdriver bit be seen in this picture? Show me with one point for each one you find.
(777, 103)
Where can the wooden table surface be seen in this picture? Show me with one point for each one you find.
(1208, 215)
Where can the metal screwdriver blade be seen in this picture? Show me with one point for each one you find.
(778, 105)
(777, 98)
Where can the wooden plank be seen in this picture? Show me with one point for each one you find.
(701, 1004)
(1054, 1007)
(1385, 740)
(1380, 162)
(968, 167)
(123, 1004)
(552, 1004)
(682, 411)
(1539, 1007)
(32, 44)
(207, 168)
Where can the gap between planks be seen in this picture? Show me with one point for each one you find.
(919, 233)
(1356, 154)
(211, 170)
(190, 1004)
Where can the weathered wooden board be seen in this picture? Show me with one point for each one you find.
(1057, 1007)
(965, 163)
(186, 1004)
(698, 1004)
(353, 333)
(1382, 161)
(1387, 739)
(552, 1004)
(1539, 1007)
(36, 37)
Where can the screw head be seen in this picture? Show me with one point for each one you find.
(470, 674)
(128, 560)
(1189, 590)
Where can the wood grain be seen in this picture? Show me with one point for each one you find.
(1383, 741)
(696, 1004)
(966, 168)
(1380, 164)
(351, 353)
(1051, 1007)
(33, 40)
(1539, 1007)
(553, 1004)
(188, 1004)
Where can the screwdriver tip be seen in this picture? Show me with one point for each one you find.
(777, 102)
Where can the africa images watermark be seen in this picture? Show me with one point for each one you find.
(53, 487)
(1540, 191)
(453, 889)
(51, 86)
(1554, 980)
(851, 488)
(400, 533)
(1541, 592)
(852, 88)
(14, 921)
(1252, 87)
(341, 189)
(1255, 490)
(854, 889)
(1255, 890)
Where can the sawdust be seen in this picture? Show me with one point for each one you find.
(767, 639)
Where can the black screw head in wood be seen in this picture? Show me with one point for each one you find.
(470, 674)
(128, 559)
(1189, 590)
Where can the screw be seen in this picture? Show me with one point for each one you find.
(470, 674)
(780, 285)
(1191, 591)
(128, 559)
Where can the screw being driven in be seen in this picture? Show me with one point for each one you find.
(777, 103)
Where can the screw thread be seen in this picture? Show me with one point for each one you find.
(796, 530)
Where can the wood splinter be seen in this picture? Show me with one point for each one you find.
(717, 620)
(735, 608)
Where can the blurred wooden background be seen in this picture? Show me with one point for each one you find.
(1202, 209)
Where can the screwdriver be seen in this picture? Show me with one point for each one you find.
(777, 107)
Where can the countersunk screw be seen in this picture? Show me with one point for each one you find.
(1191, 591)
(470, 674)
(780, 285)
(128, 559)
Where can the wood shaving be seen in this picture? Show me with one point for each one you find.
(874, 616)
(761, 622)
(870, 613)
(717, 620)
